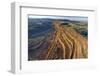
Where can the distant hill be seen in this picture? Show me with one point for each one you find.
(42, 26)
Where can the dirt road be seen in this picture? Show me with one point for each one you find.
(66, 44)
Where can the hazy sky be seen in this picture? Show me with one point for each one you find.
(75, 18)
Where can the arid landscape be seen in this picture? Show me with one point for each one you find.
(51, 39)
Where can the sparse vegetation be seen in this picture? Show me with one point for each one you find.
(57, 40)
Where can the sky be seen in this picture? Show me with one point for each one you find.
(74, 18)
